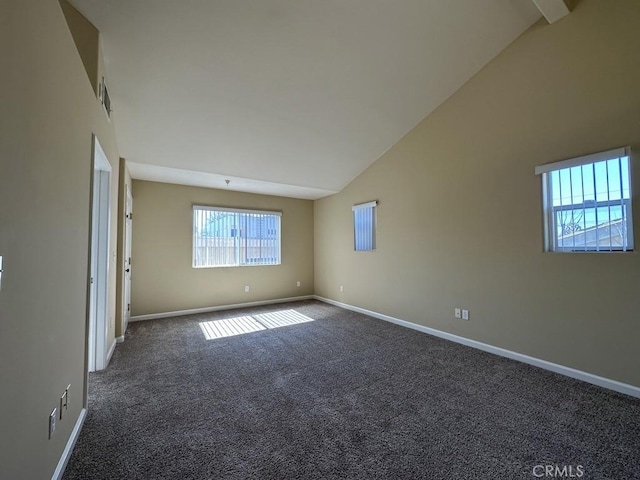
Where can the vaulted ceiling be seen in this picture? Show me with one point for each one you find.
(286, 97)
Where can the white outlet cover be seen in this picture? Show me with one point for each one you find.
(465, 314)
(456, 312)
(246, 288)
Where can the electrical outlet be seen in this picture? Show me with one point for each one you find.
(341, 288)
(456, 312)
(465, 314)
(298, 283)
(52, 422)
(246, 288)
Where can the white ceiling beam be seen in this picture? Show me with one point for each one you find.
(553, 10)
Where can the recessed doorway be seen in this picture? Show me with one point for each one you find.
(99, 260)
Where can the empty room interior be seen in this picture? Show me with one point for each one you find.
(319, 239)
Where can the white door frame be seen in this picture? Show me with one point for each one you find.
(128, 224)
(99, 260)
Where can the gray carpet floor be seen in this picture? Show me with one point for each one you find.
(343, 397)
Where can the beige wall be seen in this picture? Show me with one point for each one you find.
(162, 276)
(87, 40)
(460, 221)
(49, 112)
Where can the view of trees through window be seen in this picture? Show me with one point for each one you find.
(591, 206)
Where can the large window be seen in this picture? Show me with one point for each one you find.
(364, 226)
(587, 203)
(228, 237)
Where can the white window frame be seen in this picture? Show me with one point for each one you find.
(549, 210)
(238, 262)
(370, 229)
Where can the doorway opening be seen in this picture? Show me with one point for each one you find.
(99, 260)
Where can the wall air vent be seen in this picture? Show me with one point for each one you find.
(105, 98)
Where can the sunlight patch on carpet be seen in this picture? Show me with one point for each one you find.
(282, 318)
(230, 327)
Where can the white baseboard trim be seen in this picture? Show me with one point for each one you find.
(154, 316)
(120, 339)
(537, 362)
(66, 454)
(110, 352)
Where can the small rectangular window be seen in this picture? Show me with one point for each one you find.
(230, 237)
(364, 226)
(587, 203)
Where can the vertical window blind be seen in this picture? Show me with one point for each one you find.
(229, 237)
(364, 226)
